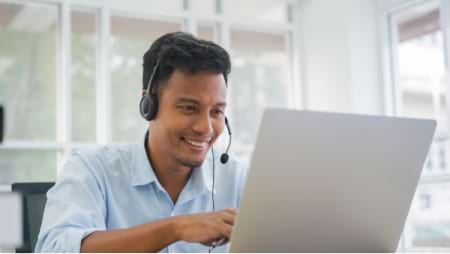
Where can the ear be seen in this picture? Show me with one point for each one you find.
(143, 92)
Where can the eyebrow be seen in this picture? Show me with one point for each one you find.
(193, 101)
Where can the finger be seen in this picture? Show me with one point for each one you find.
(230, 210)
(226, 230)
(228, 218)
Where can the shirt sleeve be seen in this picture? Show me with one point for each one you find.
(75, 207)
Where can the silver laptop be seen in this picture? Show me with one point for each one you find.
(328, 182)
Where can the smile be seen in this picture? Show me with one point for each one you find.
(195, 143)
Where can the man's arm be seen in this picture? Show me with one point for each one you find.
(155, 236)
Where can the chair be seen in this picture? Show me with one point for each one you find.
(33, 203)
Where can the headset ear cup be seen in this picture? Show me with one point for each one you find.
(144, 107)
(148, 107)
(152, 107)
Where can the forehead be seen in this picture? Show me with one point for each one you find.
(203, 87)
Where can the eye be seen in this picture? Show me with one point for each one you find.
(187, 108)
(218, 112)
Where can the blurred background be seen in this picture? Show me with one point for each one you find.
(70, 76)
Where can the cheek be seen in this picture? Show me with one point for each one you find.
(167, 126)
(218, 127)
(176, 125)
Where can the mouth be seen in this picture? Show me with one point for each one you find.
(196, 144)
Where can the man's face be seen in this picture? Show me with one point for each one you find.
(190, 116)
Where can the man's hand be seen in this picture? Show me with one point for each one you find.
(155, 236)
(206, 227)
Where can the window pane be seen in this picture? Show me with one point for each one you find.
(259, 75)
(421, 64)
(207, 32)
(422, 92)
(131, 38)
(203, 7)
(83, 76)
(437, 163)
(27, 70)
(429, 220)
(27, 166)
(422, 84)
(148, 5)
(257, 10)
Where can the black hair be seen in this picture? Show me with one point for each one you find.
(182, 51)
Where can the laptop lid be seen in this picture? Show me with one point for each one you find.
(330, 182)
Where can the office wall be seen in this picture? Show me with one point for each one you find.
(340, 55)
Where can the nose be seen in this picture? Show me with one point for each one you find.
(203, 125)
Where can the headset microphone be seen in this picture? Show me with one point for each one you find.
(224, 157)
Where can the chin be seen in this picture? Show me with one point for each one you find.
(191, 163)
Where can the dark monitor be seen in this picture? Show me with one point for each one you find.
(1, 123)
(37, 202)
(34, 197)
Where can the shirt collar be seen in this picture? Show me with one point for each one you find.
(142, 171)
(201, 177)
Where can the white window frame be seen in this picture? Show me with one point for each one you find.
(64, 143)
(392, 96)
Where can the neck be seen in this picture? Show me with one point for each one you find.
(172, 175)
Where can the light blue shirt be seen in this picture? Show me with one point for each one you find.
(114, 187)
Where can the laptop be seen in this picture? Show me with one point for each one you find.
(330, 182)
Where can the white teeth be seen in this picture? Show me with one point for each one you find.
(195, 143)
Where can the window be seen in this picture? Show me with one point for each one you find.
(421, 89)
(27, 165)
(83, 74)
(131, 37)
(260, 72)
(156, 6)
(425, 201)
(207, 31)
(259, 10)
(429, 220)
(71, 72)
(28, 70)
(205, 7)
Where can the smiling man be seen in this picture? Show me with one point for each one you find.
(168, 192)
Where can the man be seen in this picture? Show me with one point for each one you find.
(168, 192)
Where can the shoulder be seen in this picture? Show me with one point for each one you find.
(93, 169)
(100, 160)
(105, 153)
